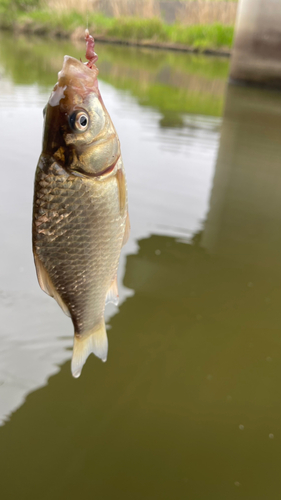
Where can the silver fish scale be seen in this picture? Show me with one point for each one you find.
(78, 234)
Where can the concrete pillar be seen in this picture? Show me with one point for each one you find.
(257, 48)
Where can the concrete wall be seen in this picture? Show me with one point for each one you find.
(257, 48)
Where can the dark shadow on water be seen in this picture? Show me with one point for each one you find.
(188, 363)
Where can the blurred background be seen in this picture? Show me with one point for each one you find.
(188, 403)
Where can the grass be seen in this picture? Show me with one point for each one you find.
(129, 29)
(208, 1)
(212, 36)
(33, 16)
(208, 36)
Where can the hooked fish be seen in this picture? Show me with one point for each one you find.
(80, 208)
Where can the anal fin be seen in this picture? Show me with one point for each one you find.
(46, 284)
(112, 294)
(95, 341)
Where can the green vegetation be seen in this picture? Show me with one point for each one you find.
(20, 5)
(230, 1)
(11, 9)
(212, 36)
(24, 17)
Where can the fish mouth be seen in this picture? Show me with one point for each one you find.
(77, 74)
(75, 82)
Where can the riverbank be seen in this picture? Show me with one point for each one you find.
(213, 39)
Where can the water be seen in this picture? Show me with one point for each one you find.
(188, 404)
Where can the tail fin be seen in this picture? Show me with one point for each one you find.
(94, 341)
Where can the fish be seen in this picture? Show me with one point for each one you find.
(80, 206)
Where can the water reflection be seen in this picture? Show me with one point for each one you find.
(171, 83)
(244, 219)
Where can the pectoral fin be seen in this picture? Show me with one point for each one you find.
(112, 294)
(127, 230)
(122, 189)
(46, 284)
(94, 341)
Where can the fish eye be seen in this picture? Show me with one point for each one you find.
(79, 121)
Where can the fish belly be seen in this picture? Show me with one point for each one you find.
(78, 231)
